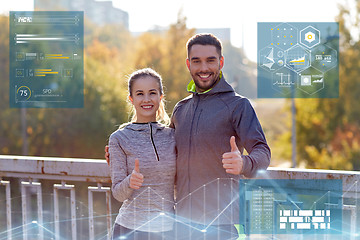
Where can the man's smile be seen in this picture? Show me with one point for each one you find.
(204, 76)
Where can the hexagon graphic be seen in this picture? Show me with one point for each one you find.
(309, 37)
(324, 58)
(271, 58)
(284, 36)
(297, 58)
(311, 81)
(284, 81)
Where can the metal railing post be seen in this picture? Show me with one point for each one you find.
(24, 198)
(70, 188)
(107, 190)
(8, 207)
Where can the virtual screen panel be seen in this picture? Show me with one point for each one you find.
(298, 60)
(46, 59)
(301, 206)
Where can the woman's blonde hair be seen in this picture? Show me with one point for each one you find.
(161, 115)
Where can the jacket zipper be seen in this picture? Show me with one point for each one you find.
(197, 122)
(153, 143)
(191, 130)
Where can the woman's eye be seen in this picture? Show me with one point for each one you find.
(139, 94)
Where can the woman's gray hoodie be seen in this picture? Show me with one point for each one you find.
(151, 207)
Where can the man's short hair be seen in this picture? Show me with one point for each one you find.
(204, 39)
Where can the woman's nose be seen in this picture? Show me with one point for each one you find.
(146, 98)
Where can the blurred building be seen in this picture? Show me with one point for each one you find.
(222, 33)
(99, 12)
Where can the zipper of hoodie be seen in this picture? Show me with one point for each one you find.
(153, 143)
(191, 134)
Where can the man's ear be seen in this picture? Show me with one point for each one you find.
(188, 63)
(221, 62)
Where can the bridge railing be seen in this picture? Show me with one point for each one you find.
(70, 198)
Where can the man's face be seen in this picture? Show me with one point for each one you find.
(204, 64)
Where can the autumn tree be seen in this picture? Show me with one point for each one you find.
(165, 51)
(79, 132)
(176, 74)
(328, 134)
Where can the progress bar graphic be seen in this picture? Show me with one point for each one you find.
(46, 59)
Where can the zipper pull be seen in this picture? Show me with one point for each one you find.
(153, 143)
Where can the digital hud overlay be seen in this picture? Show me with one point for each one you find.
(298, 60)
(46, 59)
(300, 207)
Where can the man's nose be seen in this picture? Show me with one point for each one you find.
(203, 67)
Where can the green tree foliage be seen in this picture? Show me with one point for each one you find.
(328, 134)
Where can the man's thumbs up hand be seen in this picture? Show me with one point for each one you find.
(136, 178)
(233, 145)
(232, 161)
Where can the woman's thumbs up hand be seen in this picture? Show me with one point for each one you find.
(136, 178)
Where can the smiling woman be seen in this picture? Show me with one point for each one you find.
(142, 163)
(146, 96)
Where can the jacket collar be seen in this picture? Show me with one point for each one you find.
(144, 126)
(221, 86)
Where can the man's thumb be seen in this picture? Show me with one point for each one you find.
(233, 145)
(137, 168)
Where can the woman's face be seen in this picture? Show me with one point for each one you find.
(146, 98)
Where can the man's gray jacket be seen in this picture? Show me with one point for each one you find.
(204, 123)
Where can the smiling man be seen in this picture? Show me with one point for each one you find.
(212, 128)
(204, 65)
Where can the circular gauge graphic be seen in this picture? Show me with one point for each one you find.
(23, 93)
